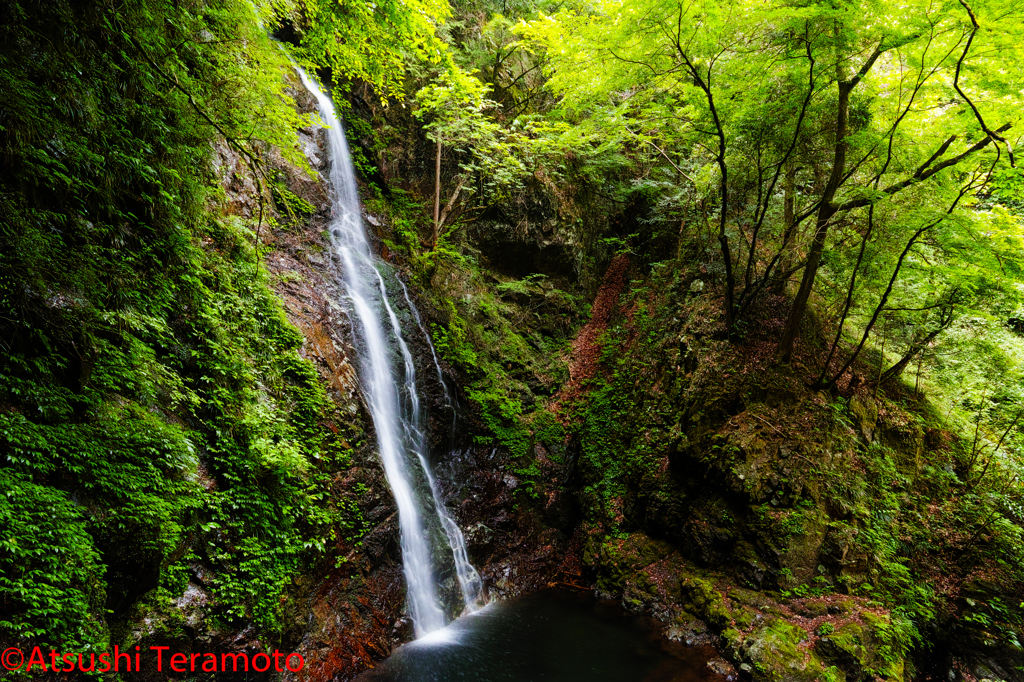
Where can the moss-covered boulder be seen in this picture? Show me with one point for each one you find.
(864, 411)
(862, 650)
(777, 652)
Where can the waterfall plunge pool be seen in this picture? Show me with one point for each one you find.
(547, 636)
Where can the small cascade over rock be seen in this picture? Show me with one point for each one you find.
(430, 538)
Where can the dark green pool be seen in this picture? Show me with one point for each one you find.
(549, 636)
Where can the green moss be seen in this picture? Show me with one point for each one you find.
(863, 650)
(506, 359)
(774, 653)
(700, 597)
(619, 560)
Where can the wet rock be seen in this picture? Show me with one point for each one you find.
(191, 604)
(720, 666)
(478, 535)
(691, 633)
(516, 246)
(402, 630)
(754, 600)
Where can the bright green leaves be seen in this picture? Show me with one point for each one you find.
(229, 48)
(51, 578)
(369, 41)
(770, 123)
(495, 158)
(455, 105)
(1008, 189)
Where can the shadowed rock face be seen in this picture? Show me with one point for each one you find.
(522, 251)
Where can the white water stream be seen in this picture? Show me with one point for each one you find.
(391, 396)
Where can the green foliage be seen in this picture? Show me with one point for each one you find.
(603, 450)
(833, 674)
(359, 131)
(455, 105)
(509, 350)
(405, 218)
(728, 110)
(50, 571)
(616, 456)
(379, 39)
(151, 395)
(451, 343)
(1007, 189)
(291, 202)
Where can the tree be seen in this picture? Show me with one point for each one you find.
(456, 105)
(369, 41)
(494, 160)
(825, 111)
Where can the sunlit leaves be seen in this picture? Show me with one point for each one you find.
(366, 40)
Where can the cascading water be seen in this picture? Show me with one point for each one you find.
(392, 397)
(451, 404)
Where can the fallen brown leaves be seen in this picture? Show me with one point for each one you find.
(586, 351)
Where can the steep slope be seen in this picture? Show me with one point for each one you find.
(175, 469)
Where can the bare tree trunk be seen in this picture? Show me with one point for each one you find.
(849, 299)
(826, 209)
(439, 222)
(917, 381)
(825, 212)
(945, 319)
(437, 194)
(881, 355)
(703, 81)
(897, 369)
(892, 280)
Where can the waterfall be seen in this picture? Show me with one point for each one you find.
(449, 402)
(391, 395)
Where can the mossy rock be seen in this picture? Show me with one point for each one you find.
(709, 535)
(755, 600)
(865, 414)
(860, 650)
(619, 560)
(638, 592)
(700, 597)
(749, 568)
(802, 547)
(772, 653)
